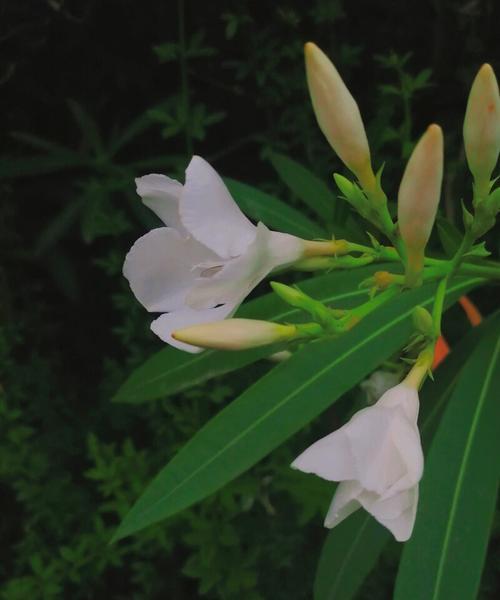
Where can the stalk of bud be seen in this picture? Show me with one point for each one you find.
(482, 128)
(237, 334)
(418, 199)
(338, 115)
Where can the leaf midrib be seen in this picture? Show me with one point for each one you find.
(461, 473)
(297, 390)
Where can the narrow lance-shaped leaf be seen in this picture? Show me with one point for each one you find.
(445, 556)
(273, 212)
(310, 189)
(276, 407)
(352, 548)
(170, 370)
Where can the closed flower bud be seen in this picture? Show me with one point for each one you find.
(338, 114)
(422, 320)
(418, 197)
(235, 334)
(482, 127)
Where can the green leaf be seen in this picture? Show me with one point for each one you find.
(271, 211)
(171, 370)
(87, 125)
(305, 185)
(445, 555)
(353, 548)
(276, 407)
(350, 552)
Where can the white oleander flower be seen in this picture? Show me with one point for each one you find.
(207, 258)
(377, 457)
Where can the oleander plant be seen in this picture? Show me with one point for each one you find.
(370, 312)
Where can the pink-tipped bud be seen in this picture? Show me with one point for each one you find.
(482, 126)
(235, 334)
(419, 193)
(337, 113)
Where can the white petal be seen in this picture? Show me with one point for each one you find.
(239, 276)
(330, 458)
(210, 214)
(397, 513)
(406, 440)
(284, 248)
(160, 268)
(162, 194)
(403, 396)
(185, 317)
(378, 463)
(344, 503)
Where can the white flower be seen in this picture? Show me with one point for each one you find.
(377, 457)
(207, 258)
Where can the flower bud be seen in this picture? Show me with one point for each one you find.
(422, 321)
(418, 197)
(235, 334)
(338, 114)
(298, 299)
(482, 127)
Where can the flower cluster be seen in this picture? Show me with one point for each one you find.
(198, 268)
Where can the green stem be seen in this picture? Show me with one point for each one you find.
(368, 307)
(454, 264)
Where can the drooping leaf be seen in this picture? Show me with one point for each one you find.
(353, 548)
(276, 407)
(171, 370)
(260, 206)
(445, 555)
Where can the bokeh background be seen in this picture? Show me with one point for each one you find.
(92, 94)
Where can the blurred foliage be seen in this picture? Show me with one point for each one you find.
(93, 95)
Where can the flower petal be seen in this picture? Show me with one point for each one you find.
(378, 463)
(404, 396)
(160, 268)
(397, 513)
(345, 501)
(406, 440)
(164, 325)
(240, 275)
(210, 214)
(162, 194)
(330, 458)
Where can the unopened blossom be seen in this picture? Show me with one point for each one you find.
(338, 114)
(482, 127)
(418, 196)
(377, 458)
(207, 258)
(236, 334)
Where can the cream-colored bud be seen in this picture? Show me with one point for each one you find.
(419, 193)
(338, 114)
(235, 334)
(482, 126)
